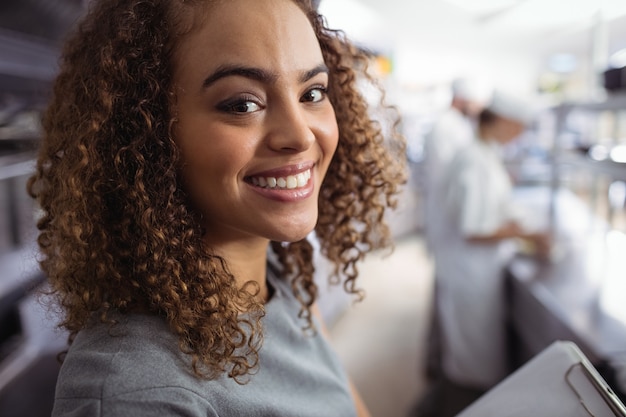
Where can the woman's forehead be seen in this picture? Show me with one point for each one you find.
(269, 34)
(189, 15)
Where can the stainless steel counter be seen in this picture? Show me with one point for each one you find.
(578, 295)
(574, 297)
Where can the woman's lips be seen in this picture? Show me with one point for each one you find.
(287, 184)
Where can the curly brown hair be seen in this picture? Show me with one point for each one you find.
(117, 233)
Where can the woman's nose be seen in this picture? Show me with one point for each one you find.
(291, 128)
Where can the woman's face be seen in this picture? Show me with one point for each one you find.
(255, 127)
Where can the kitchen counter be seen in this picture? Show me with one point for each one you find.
(577, 295)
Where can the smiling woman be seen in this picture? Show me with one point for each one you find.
(191, 149)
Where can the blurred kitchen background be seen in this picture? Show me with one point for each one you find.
(566, 56)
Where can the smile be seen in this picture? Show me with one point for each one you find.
(290, 182)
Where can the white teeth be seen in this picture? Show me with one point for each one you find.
(301, 180)
(290, 182)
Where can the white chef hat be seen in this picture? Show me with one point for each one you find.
(512, 107)
(471, 89)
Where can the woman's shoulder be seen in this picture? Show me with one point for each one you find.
(133, 362)
(126, 334)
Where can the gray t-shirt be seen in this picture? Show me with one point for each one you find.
(141, 372)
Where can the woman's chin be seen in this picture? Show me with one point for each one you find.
(295, 234)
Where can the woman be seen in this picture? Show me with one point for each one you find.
(480, 239)
(190, 149)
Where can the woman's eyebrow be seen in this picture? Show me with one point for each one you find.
(258, 74)
(307, 75)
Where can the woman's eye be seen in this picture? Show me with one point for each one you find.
(314, 95)
(239, 106)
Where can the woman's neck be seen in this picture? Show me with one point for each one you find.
(247, 261)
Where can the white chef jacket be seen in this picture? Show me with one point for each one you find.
(470, 275)
(451, 132)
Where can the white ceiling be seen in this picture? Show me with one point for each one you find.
(439, 37)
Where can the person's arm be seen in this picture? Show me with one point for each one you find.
(361, 409)
(540, 241)
(508, 231)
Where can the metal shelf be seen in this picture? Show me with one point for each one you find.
(613, 102)
(28, 65)
(614, 169)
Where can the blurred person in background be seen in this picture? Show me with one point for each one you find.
(453, 129)
(481, 233)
